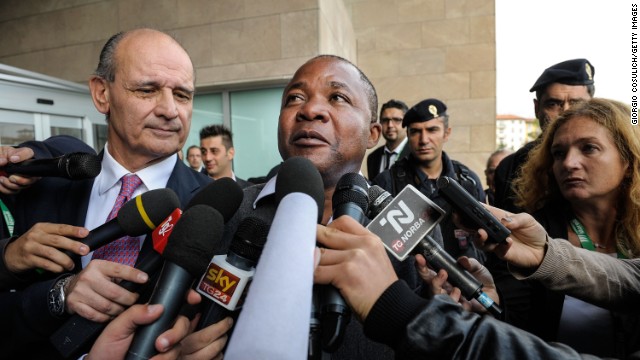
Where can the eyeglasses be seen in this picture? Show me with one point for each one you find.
(395, 120)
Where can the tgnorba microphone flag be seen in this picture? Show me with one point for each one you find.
(405, 221)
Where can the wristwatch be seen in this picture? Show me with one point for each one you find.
(57, 296)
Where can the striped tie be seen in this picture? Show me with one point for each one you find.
(124, 250)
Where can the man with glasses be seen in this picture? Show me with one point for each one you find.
(395, 148)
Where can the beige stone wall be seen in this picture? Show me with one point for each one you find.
(230, 41)
(411, 49)
(417, 49)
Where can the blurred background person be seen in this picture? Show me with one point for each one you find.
(194, 158)
(216, 146)
(395, 135)
(489, 172)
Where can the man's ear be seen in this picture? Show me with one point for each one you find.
(447, 133)
(99, 94)
(375, 129)
(231, 152)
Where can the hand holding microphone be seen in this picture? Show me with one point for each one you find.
(13, 184)
(187, 255)
(24, 170)
(224, 195)
(432, 251)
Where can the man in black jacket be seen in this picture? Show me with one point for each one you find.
(428, 130)
(395, 148)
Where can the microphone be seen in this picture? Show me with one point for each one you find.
(72, 166)
(471, 211)
(379, 199)
(225, 196)
(349, 198)
(186, 257)
(438, 258)
(228, 277)
(136, 217)
(274, 321)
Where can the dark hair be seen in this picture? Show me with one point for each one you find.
(193, 147)
(394, 104)
(591, 90)
(106, 64)
(218, 130)
(370, 90)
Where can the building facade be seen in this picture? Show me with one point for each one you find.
(244, 51)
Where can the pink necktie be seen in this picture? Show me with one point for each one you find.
(124, 250)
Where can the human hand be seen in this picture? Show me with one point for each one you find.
(42, 247)
(437, 283)
(206, 343)
(355, 262)
(12, 184)
(115, 340)
(93, 293)
(525, 247)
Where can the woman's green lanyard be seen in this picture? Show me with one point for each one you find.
(585, 240)
(8, 218)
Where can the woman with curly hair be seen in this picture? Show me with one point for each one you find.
(582, 183)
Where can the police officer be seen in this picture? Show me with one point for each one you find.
(428, 129)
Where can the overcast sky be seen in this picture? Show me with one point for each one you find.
(532, 35)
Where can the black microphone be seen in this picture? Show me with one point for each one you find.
(224, 195)
(136, 217)
(73, 166)
(78, 333)
(438, 258)
(187, 255)
(227, 279)
(379, 199)
(349, 198)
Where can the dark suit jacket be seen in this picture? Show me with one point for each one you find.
(375, 158)
(243, 183)
(25, 313)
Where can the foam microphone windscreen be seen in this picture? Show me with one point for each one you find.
(195, 238)
(145, 212)
(298, 174)
(274, 322)
(224, 195)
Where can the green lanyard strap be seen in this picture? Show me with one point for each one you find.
(8, 218)
(585, 240)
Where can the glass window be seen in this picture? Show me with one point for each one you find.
(16, 127)
(65, 125)
(254, 123)
(207, 110)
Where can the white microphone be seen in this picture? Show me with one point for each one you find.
(274, 322)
